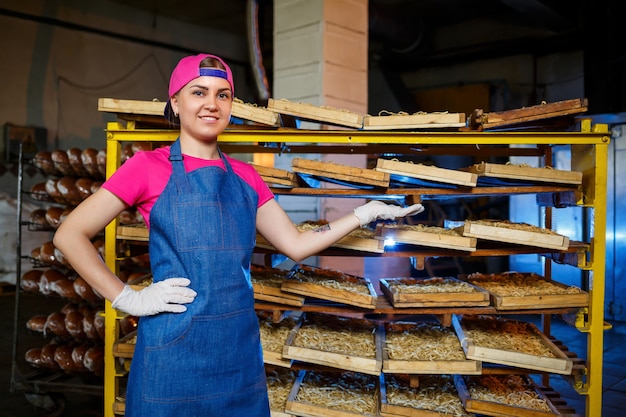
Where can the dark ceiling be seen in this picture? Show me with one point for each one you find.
(406, 35)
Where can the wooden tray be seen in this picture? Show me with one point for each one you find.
(137, 232)
(341, 172)
(527, 333)
(530, 291)
(426, 172)
(431, 236)
(279, 384)
(337, 328)
(277, 176)
(524, 173)
(266, 284)
(535, 113)
(347, 289)
(274, 336)
(359, 239)
(432, 292)
(502, 231)
(414, 121)
(318, 114)
(427, 343)
(343, 393)
(155, 108)
(424, 397)
(125, 346)
(501, 409)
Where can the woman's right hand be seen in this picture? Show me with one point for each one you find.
(168, 295)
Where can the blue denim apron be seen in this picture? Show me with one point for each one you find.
(207, 361)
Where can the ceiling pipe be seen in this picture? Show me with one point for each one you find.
(254, 49)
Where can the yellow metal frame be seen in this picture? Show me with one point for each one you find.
(589, 155)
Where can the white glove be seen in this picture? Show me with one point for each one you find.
(168, 295)
(378, 210)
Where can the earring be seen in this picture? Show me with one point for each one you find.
(175, 114)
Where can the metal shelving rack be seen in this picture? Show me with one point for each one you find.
(589, 154)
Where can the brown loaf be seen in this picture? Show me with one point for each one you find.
(74, 324)
(94, 359)
(47, 355)
(29, 281)
(101, 160)
(85, 291)
(74, 155)
(61, 162)
(69, 191)
(43, 161)
(140, 146)
(53, 191)
(65, 289)
(53, 216)
(89, 325)
(59, 257)
(39, 193)
(46, 253)
(128, 325)
(95, 186)
(65, 213)
(46, 280)
(38, 218)
(55, 324)
(69, 307)
(37, 323)
(128, 216)
(78, 355)
(63, 357)
(89, 158)
(83, 185)
(127, 152)
(33, 356)
(35, 253)
(98, 323)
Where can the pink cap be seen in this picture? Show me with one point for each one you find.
(188, 69)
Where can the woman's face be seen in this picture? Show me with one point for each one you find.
(204, 106)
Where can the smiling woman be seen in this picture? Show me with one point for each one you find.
(198, 349)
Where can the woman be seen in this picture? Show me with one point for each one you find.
(198, 351)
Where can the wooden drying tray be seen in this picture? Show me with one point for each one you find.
(430, 238)
(133, 232)
(341, 172)
(426, 172)
(501, 231)
(309, 281)
(317, 114)
(399, 299)
(277, 176)
(534, 113)
(524, 173)
(433, 384)
(155, 108)
(559, 364)
(272, 357)
(350, 242)
(492, 408)
(266, 283)
(336, 359)
(519, 301)
(416, 334)
(414, 121)
(353, 386)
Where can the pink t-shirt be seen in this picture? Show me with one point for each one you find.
(140, 180)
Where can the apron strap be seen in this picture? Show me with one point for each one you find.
(178, 168)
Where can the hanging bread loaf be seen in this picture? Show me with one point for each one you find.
(63, 357)
(52, 190)
(47, 278)
(29, 281)
(43, 161)
(98, 323)
(89, 158)
(78, 356)
(61, 162)
(101, 161)
(94, 359)
(74, 325)
(39, 193)
(74, 155)
(85, 291)
(55, 324)
(37, 323)
(64, 288)
(69, 191)
(33, 357)
(53, 216)
(37, 218)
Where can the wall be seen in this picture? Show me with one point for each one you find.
(59, 57)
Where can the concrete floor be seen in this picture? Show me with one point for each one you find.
(80, 404)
